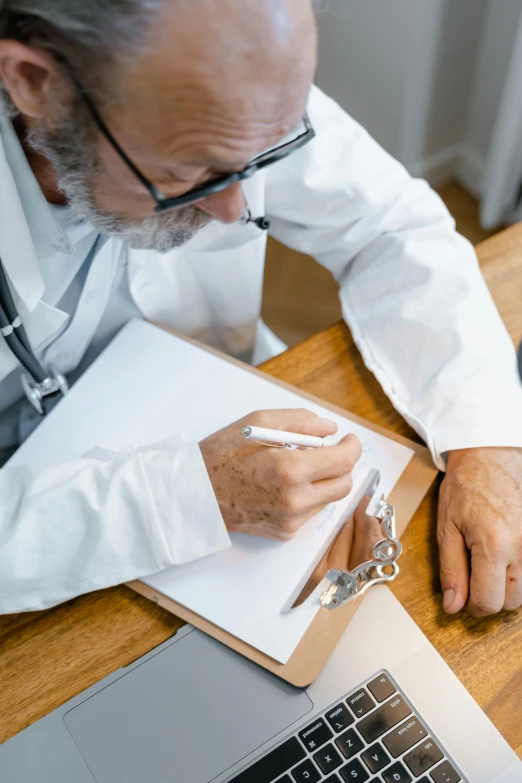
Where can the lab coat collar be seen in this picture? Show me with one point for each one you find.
(26, 220)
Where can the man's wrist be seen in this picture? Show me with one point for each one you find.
(456, 456)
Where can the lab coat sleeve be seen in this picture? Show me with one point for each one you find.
(102, 520)
(410, 286)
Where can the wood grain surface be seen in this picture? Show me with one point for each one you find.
(47, 658)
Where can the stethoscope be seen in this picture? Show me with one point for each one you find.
(38, 382)
(263, 223)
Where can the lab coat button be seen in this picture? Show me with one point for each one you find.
(63, 245)
(91, 296)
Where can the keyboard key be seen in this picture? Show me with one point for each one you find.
(339, 718)
(423, 757)
(274, 764)
(332, 779)
(405, 737)
(377, 780)
(327, 759)
(381, 688)
(360, 703)
(375, 758)
(396, 774)
(354, 772)
(286, 779)
(383, 719)
(349, 743)
(306, 773)
(445, 773)
(315, 735)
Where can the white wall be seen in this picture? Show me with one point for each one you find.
(498, 34)
(405, 69)
(455, 54)
(363, 60)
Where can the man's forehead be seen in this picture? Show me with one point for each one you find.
(222, 157)
(215, 149)
(225, 48)
(205, 99)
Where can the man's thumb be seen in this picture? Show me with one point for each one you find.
(454, 568)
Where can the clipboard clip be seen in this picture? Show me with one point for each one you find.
(346, 586)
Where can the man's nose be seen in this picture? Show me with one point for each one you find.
(227, 206)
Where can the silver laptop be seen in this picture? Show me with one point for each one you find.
(385, 709)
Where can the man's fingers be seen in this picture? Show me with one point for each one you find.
(513, 597)
(328, 491)
(293, 420)
(367, 530)
(454, 567)
(332, 461)
(289, 527)
(339, 555)
(488, 582)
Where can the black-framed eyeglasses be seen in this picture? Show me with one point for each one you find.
(301, 135)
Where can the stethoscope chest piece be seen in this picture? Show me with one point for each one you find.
(37, 392)
(38, 381)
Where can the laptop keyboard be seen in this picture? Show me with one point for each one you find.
(374, 734)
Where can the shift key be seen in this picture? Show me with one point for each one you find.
(274, 764)
(383, 719)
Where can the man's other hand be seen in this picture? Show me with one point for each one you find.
(480, 531)
(272, 492)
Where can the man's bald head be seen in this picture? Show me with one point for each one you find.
(100, 38)
(228, 76)
(190, 89)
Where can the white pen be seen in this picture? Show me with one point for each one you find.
(282, 439)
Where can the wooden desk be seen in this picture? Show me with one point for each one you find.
(48, 657)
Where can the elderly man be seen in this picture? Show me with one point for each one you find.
(128, 130)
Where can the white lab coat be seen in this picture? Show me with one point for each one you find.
(411, 292)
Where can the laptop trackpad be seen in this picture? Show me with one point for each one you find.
(187, 714)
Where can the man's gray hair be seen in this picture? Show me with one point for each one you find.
(89, 35)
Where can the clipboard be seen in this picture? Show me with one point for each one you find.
(326, 629)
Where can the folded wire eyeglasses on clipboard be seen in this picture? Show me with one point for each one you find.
(382, 567)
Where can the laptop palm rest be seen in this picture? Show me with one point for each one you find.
(188, 713)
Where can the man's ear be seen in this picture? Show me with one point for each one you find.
(28, 75)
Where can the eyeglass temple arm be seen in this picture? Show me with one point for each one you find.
(154, 192)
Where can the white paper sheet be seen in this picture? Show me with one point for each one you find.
(148, 385)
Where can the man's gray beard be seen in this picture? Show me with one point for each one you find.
(70, 150)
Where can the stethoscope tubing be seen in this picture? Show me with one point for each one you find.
(17, 340)
(7, 302)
